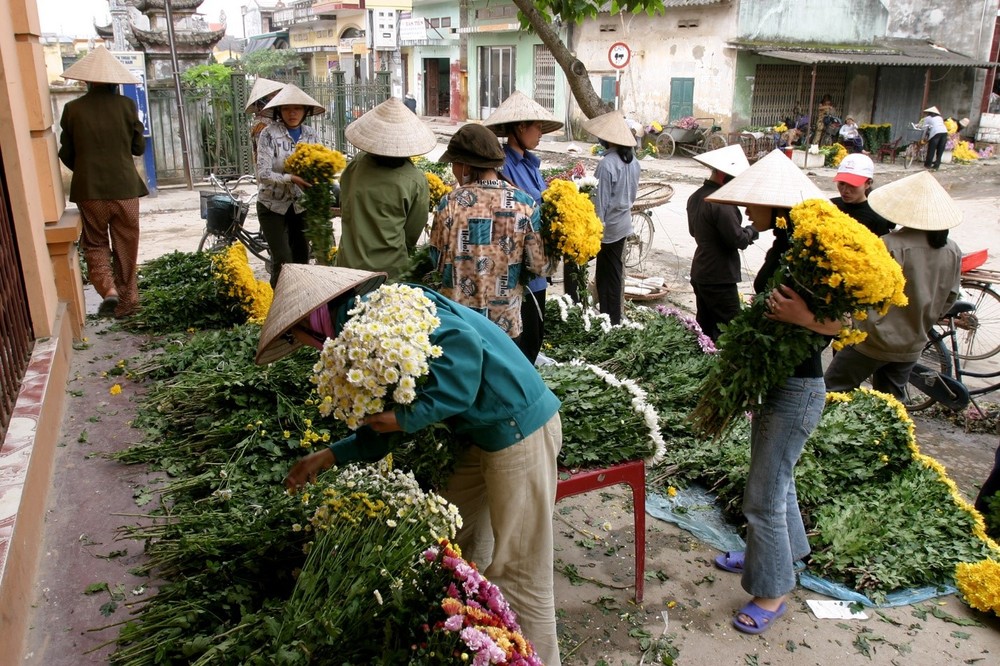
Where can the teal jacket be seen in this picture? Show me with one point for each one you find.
(482, 386)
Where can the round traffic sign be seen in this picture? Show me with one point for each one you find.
(619, 55)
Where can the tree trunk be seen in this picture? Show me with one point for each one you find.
(576, 73)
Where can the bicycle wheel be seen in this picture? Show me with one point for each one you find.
(637, 243)
(936, 357)
(979, 333)
(257, 245)
(211, 241)
(665, 145)
(715, 141)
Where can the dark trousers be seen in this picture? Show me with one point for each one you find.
(610, 279)
(286, 238)
(935, 150)
(532, 323)
(850, 367)
(991, 486)
(715, 304)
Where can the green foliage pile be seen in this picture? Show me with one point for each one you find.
(179, 291)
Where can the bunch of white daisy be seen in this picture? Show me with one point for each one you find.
(380, 355)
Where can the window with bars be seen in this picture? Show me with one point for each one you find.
(545, 77)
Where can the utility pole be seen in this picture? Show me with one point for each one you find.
(181, 125)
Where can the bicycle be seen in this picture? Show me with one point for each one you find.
(224, 216)
(916, 150)
(637, 244)
(972, 328)
(938, 376)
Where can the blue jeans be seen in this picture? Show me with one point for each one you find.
(776, 536)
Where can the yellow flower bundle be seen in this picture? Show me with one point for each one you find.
(315, 163)
(233, 270)
(979, 583)
(963, 152)
(838, 266)
(437, 188)
(841, 265)
(950, 125)
(838, 154)
(570, 223)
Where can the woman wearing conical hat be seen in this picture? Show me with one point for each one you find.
(263, 91)
(617, 186)
(523, 121)
(937, 137)
(101, 132)
(384, 198)
(279, 210)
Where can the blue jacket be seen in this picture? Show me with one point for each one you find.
(524, 171)
(482, 386)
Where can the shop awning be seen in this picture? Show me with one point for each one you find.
(887, 53)
(263, 42)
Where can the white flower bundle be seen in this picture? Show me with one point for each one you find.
(382, 352)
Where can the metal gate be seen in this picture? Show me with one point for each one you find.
(496, 77)
(16, 337)
(218, 131)
(900, 92)
(778, 89)
(545, 78)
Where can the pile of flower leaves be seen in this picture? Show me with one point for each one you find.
(861, 461)
(199, 290)
(227, 542)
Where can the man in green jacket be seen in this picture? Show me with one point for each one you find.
(484, 389)
(101, 132)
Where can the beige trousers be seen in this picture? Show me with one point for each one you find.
(110, 242)
(506, 500)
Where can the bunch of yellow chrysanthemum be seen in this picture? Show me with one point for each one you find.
(950, 126)
(437, 188)
(841, 265)
(383, 350)
(233, 270)
(319, 166)
(979, 584)
(570, 223)
(315, 163)
(837, 153)
(963, 153)
(838, 266)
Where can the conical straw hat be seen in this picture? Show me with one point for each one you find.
(917, 202)
(773, 180)
(292, 95)
(392, 130)
(519, 108)
(262, 88)
(301, 289)
(99, 66)
(730, 160)
(612, 128)
(932, 109)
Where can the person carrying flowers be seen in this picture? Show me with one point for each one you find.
(617, 185)
(384, 198)
(486, 238)
(855, 175)
(931, 263)
(279, 196)
(719, 234)
(769, 362)
(522, 121)
(475, 381)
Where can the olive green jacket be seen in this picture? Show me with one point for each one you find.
(100, 134)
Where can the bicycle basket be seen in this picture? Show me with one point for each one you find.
(223, 214)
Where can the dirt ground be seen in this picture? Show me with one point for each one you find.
(688, 602)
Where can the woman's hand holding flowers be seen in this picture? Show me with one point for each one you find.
(301, 182)
(785, 305)
(383, 422)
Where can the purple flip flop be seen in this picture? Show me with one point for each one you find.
(730, 561)
(762, 619)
